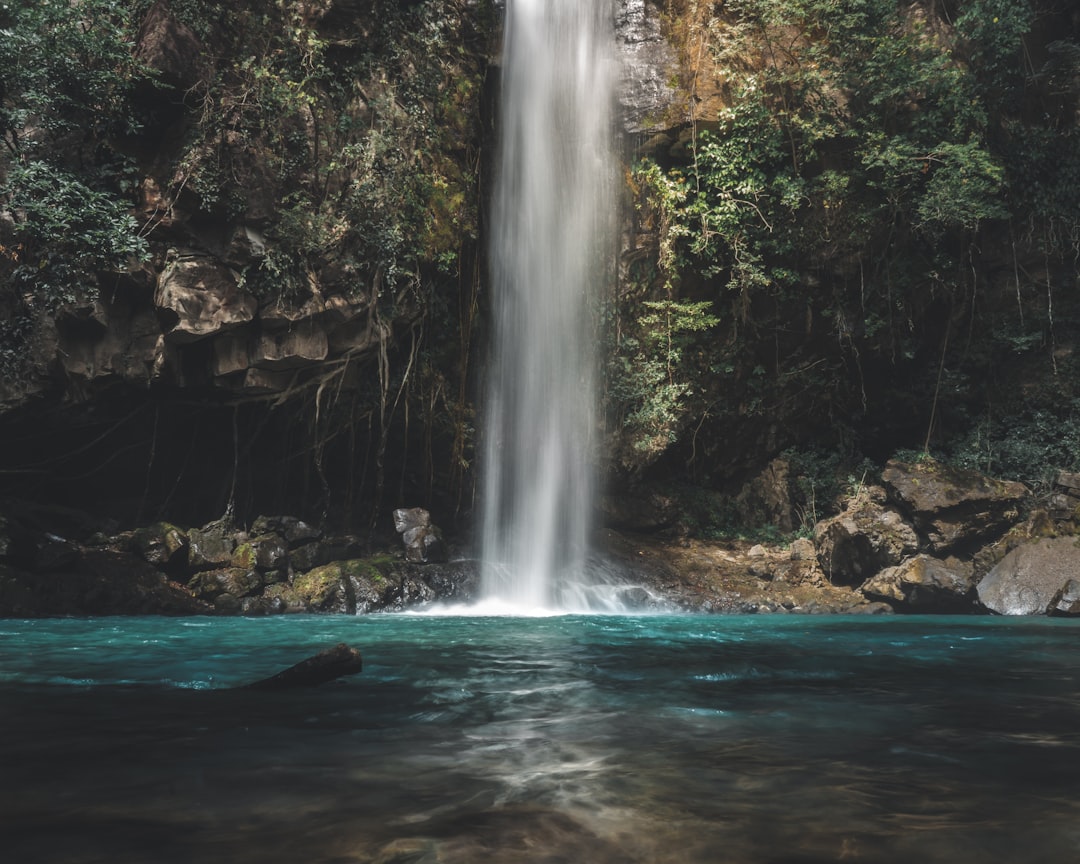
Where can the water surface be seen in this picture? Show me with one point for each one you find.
(566, 738)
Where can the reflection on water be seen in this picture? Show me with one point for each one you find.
(584, 739)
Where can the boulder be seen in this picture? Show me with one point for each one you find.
(211, 546)
(161, 544)
(925, 584)
(802, 549)
(864, 539)
(955, 509)
(1032, 578)
(234, 581)
(423, 541)
(295, 531)
(264, 552)
(320, 552)
(345, 587)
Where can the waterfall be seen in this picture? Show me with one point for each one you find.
(551, 247)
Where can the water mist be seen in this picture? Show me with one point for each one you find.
(551, 248)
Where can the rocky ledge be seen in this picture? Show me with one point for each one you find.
(927, 539)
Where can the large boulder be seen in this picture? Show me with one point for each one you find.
(863, 540)
(1032, 578)
(954, 508)
(211, 546)
(925, 584)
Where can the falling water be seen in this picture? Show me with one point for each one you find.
(551, 238)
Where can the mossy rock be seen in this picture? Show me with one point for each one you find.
(323, 589)
(237, 581)
(161, 543)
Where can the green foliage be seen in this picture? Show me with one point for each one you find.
(1030, 446)
(836, 210)
(360, 145)
(65, 233)
(657, 374)
(64, 70)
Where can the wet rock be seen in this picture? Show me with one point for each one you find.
(161, 544)
(211, 546)
(925, 584)
(235, 581)
(51, 552)
(320, 552)
(648, 64)
(864, 539)
(271, 552)
(953, 507)
(323, 589)
(1031, 577)
(336, 662)
(423, 541)
(295, 531)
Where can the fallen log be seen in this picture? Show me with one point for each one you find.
(325, 666)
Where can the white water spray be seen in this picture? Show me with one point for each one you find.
(551, 245)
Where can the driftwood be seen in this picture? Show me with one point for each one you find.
(325, 666)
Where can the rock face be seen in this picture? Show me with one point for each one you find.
(955, 509)
(649, 63)
(1033, 578)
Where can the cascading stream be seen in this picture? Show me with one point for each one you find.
(551, 242)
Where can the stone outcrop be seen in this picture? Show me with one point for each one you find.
(201, 298)
(866, 538)
(955, 509)
(1034, 578)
